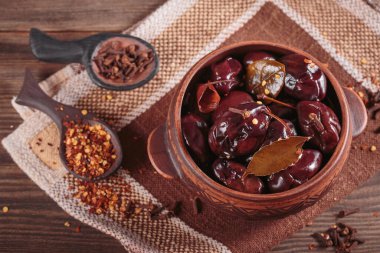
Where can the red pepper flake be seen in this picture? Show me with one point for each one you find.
(89, 150)
(77, 229)
(312, 246)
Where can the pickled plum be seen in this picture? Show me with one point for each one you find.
(304, 79)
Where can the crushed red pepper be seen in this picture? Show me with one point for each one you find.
(89, 150)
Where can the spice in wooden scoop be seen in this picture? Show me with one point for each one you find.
(89, 150)
(123, 61)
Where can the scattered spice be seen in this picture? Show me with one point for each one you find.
(345, 213)
(50, 144)
(372, 148)
(109, 97)
(84, 112)
(165, 211)
(197, 205)
(89, 150)
(101, 197)
(41, 150)
(119, 62)
(67, 224)
(77, 229)
(341, 237)
(312, 246)
(11, 126)
(363, 61)
(5, 209)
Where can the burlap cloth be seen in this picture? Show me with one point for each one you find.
(345, 34)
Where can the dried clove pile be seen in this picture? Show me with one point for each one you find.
(120, 63)
(342, 237)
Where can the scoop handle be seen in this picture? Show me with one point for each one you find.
(46, 48)
(33, 96)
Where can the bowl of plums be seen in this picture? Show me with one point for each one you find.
(257, 129)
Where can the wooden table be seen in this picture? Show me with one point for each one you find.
(34, 222)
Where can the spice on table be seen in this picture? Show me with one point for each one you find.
(345, 213)
(343, 238)
(372, 148)
(77, 229)
(312, 246)
(89, 150)
(120, 61)
(5, 209)
(67, 224)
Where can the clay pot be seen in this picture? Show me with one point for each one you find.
(169, 156)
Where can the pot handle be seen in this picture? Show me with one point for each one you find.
(158, 153)
(358, 112)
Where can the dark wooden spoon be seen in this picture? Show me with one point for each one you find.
(33, 96)
(46, 48)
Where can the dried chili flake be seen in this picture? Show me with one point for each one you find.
(89, 150)
(5, 209)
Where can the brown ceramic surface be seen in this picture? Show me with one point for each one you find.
(173, 160)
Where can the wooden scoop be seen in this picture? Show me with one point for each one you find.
(46, 48)
(33, 96)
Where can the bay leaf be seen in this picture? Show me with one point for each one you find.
(265, 77)
(276, 156)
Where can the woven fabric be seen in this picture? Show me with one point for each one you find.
(182, 32)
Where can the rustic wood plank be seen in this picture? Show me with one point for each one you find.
(34, 222)
(367, 198)
(84, 15)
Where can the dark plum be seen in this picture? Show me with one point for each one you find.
(230, 174)
(319, 121)
(226, 72)
(233, 99)
(277, 130)
(307, 166)
(304, 79)
(240, 131)
(195, 130)
(256, 56)
(280, 181)
(284, 112)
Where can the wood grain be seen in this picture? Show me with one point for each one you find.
(34, 222)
